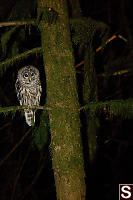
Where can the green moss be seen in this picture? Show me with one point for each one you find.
(66, 148)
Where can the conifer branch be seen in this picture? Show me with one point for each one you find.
(122, 108)
(17, 23)
(13, 60)
(114, 107)
(17, 108)
(98, 105)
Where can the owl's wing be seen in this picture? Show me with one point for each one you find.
(17, 86)
(40, 89)
(38, 95)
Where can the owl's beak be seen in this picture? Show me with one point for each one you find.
(30, 79)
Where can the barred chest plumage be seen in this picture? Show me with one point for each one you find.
(30, 96)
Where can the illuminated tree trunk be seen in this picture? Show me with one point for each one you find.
(62, 98)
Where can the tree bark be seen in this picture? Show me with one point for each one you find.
(66, 146)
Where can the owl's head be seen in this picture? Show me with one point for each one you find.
(28, 75)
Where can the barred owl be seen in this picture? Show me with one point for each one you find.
(28, 88)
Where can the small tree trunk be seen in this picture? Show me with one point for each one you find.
(67, 156)
(90, 94)
(75, 8)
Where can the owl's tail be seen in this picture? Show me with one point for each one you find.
(30, 117)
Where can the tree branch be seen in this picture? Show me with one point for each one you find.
(100, 47)
(15, 147)
(122, 108)
(16, 108)
(17, 23)
(11, 61)
(127, 105)
(20, 170)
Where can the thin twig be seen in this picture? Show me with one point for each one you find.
(18, 175)
(5, 125)
(33, 181)
(100, 47)
(15, 147)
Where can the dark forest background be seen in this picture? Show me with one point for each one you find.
(27, 172)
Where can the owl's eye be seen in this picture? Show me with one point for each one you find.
(32, 74)
(26, 75)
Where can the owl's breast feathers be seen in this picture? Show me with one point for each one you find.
(18, 89)
(28, 95)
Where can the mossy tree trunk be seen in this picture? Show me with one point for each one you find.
(66, 146)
